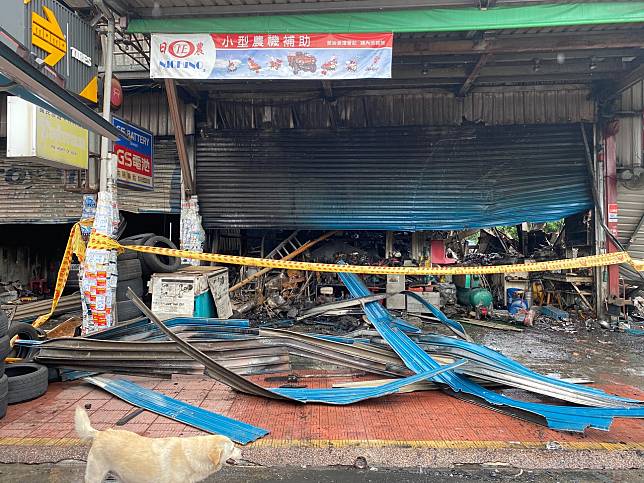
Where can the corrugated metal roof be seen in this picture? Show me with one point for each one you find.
(629, 141)
(630, 202)
(34, 193)
(632, 99)
(391, 178)
(150, 111)
(493, 107)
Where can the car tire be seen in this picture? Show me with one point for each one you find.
(26, 332)
(160, 263)
(26, 381)
(4, 395)
(126, 310)
(136, 239)
(135, 284)
(4, 323)
(127, 255)
(133, 240)
(129, 270)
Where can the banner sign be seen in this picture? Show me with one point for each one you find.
(135, 155)
(271, 56)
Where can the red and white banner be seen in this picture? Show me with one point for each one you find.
(271, 56)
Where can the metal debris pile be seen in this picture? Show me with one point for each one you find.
(227, 350)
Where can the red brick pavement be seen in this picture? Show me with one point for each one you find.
(421, 419)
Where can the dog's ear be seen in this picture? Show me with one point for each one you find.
(215, 456)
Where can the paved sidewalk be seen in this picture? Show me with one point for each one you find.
(422, 428)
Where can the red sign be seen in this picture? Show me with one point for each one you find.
(135, 155)
(116, 97)
(302, 41)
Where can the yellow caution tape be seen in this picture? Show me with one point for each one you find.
(75, 245)
(106, 243)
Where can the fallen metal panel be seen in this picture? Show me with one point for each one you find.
(452, 325)
(322, 309)
(357, 356)
(343, 396)
(565, 418)
(144, 325)
(495, 360)
(158, 403)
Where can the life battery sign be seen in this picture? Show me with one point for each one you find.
(135, 156)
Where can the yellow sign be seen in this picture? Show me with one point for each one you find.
(47, 34)
(90, 91)
(60, 140)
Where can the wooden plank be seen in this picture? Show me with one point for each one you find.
(583, 297)
(490, 325)
(179, 135)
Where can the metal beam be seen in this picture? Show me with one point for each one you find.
(469, 82)
(522, 44)
(635, 75)
(179, 135)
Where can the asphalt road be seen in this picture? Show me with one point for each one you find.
(72, 472)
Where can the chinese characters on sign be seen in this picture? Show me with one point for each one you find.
(271, 56)
(135, 155)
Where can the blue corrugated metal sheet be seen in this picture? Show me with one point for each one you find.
(498, 360)
(343, 396)
(178, 410)
(564, 418)
(193, 323)
(392, 178)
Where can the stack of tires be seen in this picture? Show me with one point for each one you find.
(130, 276)
(5, 348)
(19, 381)
(134, 270)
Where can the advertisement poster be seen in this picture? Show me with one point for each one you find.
(135, 156)
(271, 56)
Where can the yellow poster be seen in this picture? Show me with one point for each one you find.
(60, 140)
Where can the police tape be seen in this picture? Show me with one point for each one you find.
(75, 245)
(103, 242)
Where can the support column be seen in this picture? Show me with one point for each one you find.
(610, 207)
(192, 235)
(599, 235)
(99, 273)
(108, 168)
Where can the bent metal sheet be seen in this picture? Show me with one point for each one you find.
(271, 56)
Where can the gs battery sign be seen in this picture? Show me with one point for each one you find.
(135, 155)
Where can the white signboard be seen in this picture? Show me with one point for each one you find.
(37, 134)
(182, 56)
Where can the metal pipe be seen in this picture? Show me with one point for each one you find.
(107, 178)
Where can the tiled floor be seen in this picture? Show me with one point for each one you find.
(423, 419)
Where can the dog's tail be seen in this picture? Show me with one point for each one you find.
(83, 425)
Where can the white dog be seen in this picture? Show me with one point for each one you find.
(137, 459)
